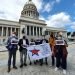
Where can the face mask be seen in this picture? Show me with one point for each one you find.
(13, 34)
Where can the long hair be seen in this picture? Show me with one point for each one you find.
(52, 36)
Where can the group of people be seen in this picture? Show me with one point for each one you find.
(59, 52)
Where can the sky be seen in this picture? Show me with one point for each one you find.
(56, 13)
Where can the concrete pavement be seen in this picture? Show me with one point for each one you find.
(37, 69)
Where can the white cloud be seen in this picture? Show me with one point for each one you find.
(73, 26)
(57, 1)
(47, 7)
(41, 18)
(39, 4)
(11, 9)
(58, 20)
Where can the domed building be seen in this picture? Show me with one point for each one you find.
(29, 24)
(30, 10)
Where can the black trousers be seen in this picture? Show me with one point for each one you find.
(41, 60)
(10, 54)
(61, 61)
(23, 53)
(53, 60)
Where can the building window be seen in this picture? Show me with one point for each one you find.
(23, 30)
(9, 31)
(29, 14)
(46, 32)
(4, 31)
(27, 30)
(0, 31)
(35, 31)
(17, 32)
(38, 31)
(25, 12)
(13, 29)
(32, 30)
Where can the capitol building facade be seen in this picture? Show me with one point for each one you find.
(29, 24)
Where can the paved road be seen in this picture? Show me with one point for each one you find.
(37, 69)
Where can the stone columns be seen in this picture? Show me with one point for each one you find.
(15, 29)
(26, 30)
(2, 36)
(2, 32)
(7, 32)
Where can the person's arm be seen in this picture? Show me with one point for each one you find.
(27, 41)
(19, 43)
(49, 41)
(8, 41)
(46, 41)
(66, 43)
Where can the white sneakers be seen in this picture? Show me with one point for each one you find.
(64, 71)
(56, 69)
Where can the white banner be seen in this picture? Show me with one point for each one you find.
(39, 51)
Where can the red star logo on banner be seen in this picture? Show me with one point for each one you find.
(34, 52)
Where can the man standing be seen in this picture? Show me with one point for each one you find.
(23, 43)
(12, 48)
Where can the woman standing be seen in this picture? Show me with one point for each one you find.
(52, 44)
(61, 54)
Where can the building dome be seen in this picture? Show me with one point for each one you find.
(30, 10)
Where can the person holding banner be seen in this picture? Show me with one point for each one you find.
(42, 42)
(31, 44)
(37, 42)
(12, 46)
(23, 43)
(61, 53)
(52, 44)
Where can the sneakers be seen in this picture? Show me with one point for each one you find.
(56, 69)
(64, 71)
